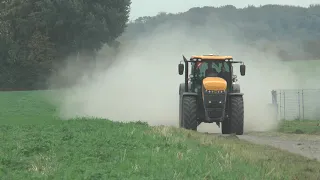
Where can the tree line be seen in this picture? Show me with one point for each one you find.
(290, 31)
(36, 35)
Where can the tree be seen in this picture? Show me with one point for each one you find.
(40, 33)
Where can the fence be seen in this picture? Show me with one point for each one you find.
(297, 104)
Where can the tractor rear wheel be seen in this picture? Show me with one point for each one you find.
(188, 119)
(235, 122)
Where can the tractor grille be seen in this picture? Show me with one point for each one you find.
(215, 112)
(214, 100)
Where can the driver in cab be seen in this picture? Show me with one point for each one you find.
(211, 72)
(223, 73)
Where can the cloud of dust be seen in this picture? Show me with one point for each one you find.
(143, 82)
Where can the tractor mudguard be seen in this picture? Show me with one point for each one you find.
(236, 88)
(189, 94)
(182, 88)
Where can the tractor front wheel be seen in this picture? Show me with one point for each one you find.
(188, 119)
(235, 122)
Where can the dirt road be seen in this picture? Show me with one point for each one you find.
(305, 145)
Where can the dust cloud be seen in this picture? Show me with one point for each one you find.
(142, 84)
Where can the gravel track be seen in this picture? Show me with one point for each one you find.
(308, 146)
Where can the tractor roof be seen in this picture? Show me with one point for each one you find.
(212, 57)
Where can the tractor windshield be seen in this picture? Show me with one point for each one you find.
(201, 69)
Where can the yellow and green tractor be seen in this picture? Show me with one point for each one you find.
(210, 93)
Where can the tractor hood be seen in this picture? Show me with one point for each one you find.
(214, 84)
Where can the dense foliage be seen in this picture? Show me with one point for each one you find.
(36, 34)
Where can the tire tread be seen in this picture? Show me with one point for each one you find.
(189, 111)
(235, 123)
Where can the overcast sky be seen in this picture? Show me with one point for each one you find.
(152, 7)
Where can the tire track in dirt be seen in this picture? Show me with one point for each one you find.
(309, 146)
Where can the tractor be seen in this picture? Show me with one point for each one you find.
(210, 93)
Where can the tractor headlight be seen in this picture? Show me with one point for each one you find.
(215, 91)
(220, 91)
(208, 91)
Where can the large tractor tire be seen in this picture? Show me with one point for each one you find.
(181, 90)
(188, 113)
(235, 122)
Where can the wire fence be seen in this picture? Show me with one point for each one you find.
(297, 104)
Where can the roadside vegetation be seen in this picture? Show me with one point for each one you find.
(36, 144)
(300, 127)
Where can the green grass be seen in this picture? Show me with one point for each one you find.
(26, 107)
(300, 127)
(36, 144)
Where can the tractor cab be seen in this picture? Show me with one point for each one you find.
(205, 66)
(204, 69)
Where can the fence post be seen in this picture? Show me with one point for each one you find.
(299, 104)
(275, 103)
(284, 105)
(302, 99)
(280, 106)
(274, 96)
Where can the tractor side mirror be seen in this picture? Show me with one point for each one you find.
(242, 69)
(180, 68)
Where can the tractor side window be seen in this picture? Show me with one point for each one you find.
(202, 68)
(226, 66)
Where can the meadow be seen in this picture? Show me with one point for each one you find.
(300, 127)
(36, 144)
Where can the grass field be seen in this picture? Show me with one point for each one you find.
(36, 144)
(300, 127)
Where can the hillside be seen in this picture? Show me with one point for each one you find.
(292, 32)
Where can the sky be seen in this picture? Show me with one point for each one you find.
(153, 7)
